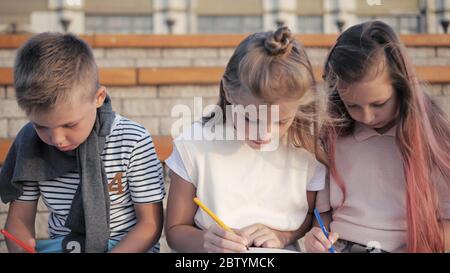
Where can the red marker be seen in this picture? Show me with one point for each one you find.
(26, 247)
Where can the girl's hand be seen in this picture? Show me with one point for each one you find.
(218, 240)
(259, 235)
(316, 242)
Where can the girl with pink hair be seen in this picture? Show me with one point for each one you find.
(389, 151)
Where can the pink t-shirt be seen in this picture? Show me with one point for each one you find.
(374, 210)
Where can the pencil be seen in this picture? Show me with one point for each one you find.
(322, 226)
(18, 242)
(213, 216)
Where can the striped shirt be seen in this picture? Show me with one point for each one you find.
(135, 176)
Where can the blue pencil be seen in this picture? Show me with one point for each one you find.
(319, 219)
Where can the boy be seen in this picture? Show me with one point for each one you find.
(97, 172)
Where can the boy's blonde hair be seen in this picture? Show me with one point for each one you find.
(49, 67)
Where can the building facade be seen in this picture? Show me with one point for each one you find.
(218, 16)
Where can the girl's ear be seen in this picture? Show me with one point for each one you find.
(225, 92)
(100, 96)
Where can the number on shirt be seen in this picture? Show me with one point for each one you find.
(116, 184)
(73, 247)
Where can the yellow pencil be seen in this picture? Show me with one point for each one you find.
(213, 216)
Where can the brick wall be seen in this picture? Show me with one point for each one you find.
(146, 76)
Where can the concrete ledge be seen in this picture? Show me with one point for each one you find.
(190, 75)
(203, 75)
(216, 40)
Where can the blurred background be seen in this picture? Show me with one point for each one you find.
(156, 54)
(218, 16)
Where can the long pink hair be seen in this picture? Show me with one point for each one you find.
(423, 134)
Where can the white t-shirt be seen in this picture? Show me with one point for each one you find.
(244, 186)
(128, 150)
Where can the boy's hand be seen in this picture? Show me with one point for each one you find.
(260, 235)
(216, 239)
(32, 243)
(316, 242)
(20, 221)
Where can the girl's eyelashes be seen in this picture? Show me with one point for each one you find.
(379, 104)
(281, 122)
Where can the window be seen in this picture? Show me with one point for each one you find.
(409, 24)
(440, 5)
(229, 24)
(119, 24)
(402, 23)
(440, 15)
(310, 24)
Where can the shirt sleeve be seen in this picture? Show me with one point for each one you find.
(175, 163)
(323, 198)
(145, 172)
(31, 191)
(317, 182)
(184, 157)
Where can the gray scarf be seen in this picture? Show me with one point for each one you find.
(30, 159)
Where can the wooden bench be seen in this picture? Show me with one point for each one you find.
(163, 146)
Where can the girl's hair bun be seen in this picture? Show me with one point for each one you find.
(279, 42)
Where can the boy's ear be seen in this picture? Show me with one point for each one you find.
(100, 96)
